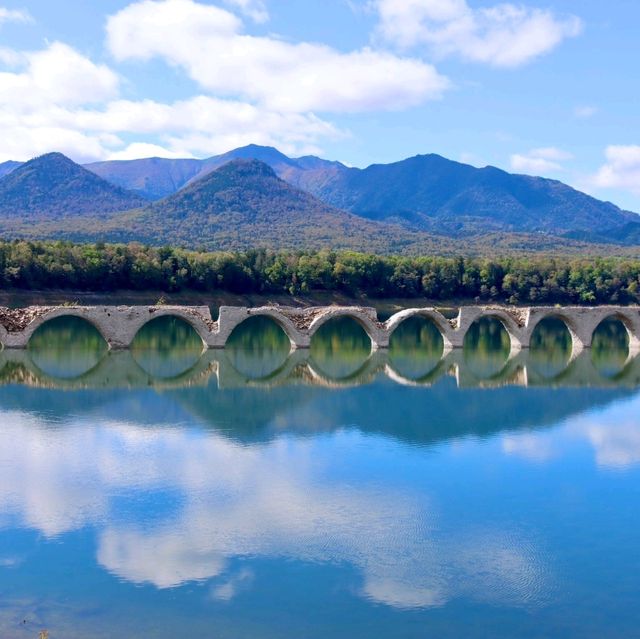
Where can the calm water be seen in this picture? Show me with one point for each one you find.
(166, 492)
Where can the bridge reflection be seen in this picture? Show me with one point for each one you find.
(128, 369)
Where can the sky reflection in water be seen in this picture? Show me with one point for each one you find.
(248, 494)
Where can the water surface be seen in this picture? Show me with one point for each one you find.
(255, 493)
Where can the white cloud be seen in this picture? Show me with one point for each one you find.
(585, 112)
(59, 100)
(56, 79)
(9, 57)
(255, 9)
(622, 169)
(57, 75)
(209, 44)
(14, 15)
(137, 150)
(466, 157)
(504, 35)
(260, 90)
(540, 161)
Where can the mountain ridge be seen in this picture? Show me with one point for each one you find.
(431, 193)
(52, 186)
(243, 204)
(424, 194)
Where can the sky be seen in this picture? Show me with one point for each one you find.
(544, 87)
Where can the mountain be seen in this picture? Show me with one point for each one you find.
(425, 192)
(52, 187)
(151, 178)
(432, 193)
(7, 167)
(427, 195)
(243, 205)
(156, 178)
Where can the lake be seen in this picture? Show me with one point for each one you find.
(168, 492)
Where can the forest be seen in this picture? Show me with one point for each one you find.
(102, 267)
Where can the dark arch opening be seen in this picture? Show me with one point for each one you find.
(167, 347)
(258, 347)
(66, 347)
(416, 347)
(610, 347)
(486, 348)
(550, 347)
(340, 348)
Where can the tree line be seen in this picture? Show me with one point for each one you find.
(514, 280)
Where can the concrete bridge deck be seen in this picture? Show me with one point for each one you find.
(119, 325)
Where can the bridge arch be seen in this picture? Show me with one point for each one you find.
(580, 333)
(194, 320)
(625, 319)
(281, 320)
(509, 323)
(61, 313)
(429, 314)
(378, 336)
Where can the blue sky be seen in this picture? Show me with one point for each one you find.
(548, 87)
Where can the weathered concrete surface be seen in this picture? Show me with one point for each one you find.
(117, 324)
(120, 324)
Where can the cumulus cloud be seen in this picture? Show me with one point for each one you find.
(278, 75)
(622, 168)
(503, 35)
(585, 112)
(45, 83)
(540, 161)
(260, 89)
(59, 100)
(255, 9)
(14, 15)
(57, 75)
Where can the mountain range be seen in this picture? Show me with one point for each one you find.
(258, 196)
(242, 205)
(54, 187)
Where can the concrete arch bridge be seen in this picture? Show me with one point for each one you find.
(119, 325)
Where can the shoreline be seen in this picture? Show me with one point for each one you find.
(18, 298)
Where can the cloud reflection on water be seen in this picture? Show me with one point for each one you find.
(287, 499)
(613, 434)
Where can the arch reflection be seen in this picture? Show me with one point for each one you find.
(258, 347)
(550, 348)
(416, 348)
(610, 347)
(167, 347)
(66, 347)
(487, 346)
(340, 348)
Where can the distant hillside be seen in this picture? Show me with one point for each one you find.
(7, 167)
(243, 204)
(152, 178)
(51, 187)
(156, 178)
(432, 193)
(426, 192)
(426, 200)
